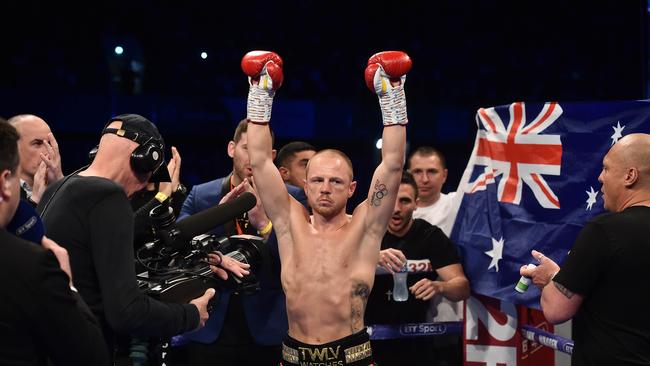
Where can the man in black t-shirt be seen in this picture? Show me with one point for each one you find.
(434, 270)
(603, 282)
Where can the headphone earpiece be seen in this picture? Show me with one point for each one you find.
(147, 158)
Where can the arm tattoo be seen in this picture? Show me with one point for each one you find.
(565, 291)
(359, 298)
(380, 192)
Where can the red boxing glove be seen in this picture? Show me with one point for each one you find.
(385, 75)
(256, 64)
(395, 64)
(264, 70)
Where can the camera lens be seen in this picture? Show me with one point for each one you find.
(162, 217)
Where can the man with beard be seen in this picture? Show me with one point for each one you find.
(434, 270)
(243, 328)
(292, 162)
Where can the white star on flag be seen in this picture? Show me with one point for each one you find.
(591, 198)
(496, 253)
(618, 129)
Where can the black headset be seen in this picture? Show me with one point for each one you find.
(147, 157)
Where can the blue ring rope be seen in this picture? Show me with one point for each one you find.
(547, 339)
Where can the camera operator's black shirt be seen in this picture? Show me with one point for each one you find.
(92, 218)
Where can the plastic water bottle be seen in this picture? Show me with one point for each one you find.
(400, 289)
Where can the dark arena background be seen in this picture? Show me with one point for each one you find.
(76, 64)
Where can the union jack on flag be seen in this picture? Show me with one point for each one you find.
(532, 183)
(519, 153)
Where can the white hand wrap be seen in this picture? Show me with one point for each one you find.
(260, 98)
(392, 99)
(260, 103)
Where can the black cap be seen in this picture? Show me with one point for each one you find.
(142, 131)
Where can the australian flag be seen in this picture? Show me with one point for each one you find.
(532, 183)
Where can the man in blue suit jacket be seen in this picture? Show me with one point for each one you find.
(242, 329)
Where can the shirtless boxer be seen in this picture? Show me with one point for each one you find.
(329, 260)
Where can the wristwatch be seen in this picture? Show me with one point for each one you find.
(181, 189)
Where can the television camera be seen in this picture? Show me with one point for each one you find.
(176, 261)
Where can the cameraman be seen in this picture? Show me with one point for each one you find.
(91, 215)
(146, 350)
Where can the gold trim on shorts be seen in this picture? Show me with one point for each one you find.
(357, 353)
(352, 354)
(290, 354)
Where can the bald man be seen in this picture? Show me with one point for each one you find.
(603, 282)
(40, 162)
(90, 215)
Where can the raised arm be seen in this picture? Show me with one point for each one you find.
(264, 70)
(385, 75)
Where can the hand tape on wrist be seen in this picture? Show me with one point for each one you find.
(161, 197)
(260, 104)
(393, 106)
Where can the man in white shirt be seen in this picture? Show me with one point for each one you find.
(429, 169)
